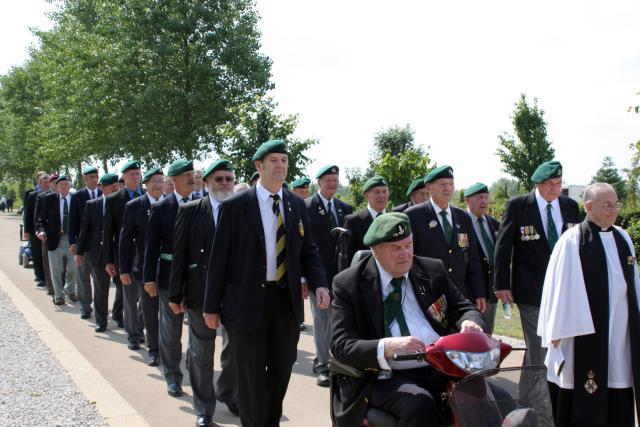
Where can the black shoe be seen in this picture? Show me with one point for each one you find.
(323, 379)
(154, 361)
(120, 323)
(49, 291)
(40, 284)
(133, 345)
(58, 301)
(85, 315)
(141, 340)
(73, 297)
(174, 390)
(100, 328)
(204, 421)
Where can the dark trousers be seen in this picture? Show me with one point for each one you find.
(202, 342)
(412, 396)
(150, 311)
(83, 279)
(36, 253)
(620, 407)
(227, 384)
(45, 267)
(118, 302)
(101, 283)
(264, 359)
(133, 322)
(170, 340)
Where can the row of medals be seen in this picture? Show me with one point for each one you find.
(528, 232)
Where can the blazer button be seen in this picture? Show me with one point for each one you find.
(201, 250)
(450, 250)
(450, 270)
(263, 285)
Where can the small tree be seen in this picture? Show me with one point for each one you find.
(609, 173)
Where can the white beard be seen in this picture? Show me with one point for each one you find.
(221, 195)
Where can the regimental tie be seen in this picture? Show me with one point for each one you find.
(65, 216)
(552, 232)
(446, 225)
(185, 199)
(393, 309)
(332, 219)
(488, 243)
(281, 253)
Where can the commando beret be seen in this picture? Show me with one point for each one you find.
(376, 181)
(179, 167)
(153, 171)
(273, 146)
(547, 170)
(476, 188)
(444, 171)
(62, 178)
(416, 184)
(53, 178)
(301, 183)
(327, 170)
(108, 179)
(89, 169)
(390, 227)
(254, 177)
(130, 165)
(218, 165)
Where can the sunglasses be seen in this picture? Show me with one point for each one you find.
(223, 179)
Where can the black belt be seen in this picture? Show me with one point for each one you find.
(270, 283)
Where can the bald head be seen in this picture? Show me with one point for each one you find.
(601, 204)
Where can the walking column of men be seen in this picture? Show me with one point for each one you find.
(239, 260)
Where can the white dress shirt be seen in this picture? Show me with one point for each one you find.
(326, 203)
(179, 198)
(68, 198)
(92, 193)
(555, 213)
(269, 225)
(151, 199)
(215, 208)
(374, 213)
(417, 323)
(437, 210)
(476, 227)
(104, 204)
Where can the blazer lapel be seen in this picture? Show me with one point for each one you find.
(289, 217)
(206, 217)
(322, 212)
(565, 212)
(372, 294)
(431, 217)
(535, 219)
(421, 285)
(339, 212)
(253, 213)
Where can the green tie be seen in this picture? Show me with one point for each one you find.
(446, 225)
(65, 216)
(332, 218)
(393, 309)
(488, 244)
(185, 199)
(552, 233)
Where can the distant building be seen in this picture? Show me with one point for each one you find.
(574, 191)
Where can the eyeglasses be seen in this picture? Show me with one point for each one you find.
(223, 179)
(610, 207)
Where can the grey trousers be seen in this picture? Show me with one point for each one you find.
(320, 332)
(133, 322)
(59, 260)
(101, 284)
(150, 309)
(170, 340)
(490, 316)
(535, 353)
(202, 342)
(227, 384)
(85, 272)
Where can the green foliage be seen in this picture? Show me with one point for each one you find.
(393, 140)
(522, 154)
(609, 173)
(356, 179)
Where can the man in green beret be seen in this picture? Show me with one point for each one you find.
(486, 229)
(113, 218)
(326, 212)
(29, 221)
(261, 248)
(53, 229)
(78, 201)
(158, 255)
(445, 232)
(393, 302)
(376, 191)
(89, 247)
(530, 228)
(38, 206)
(254, 179)
(417, 193)
(141, 309)
(300, 187)
(194, 232)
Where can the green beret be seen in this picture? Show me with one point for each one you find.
(444, 171)
(153, 171)
(273, 146)
(476, 188)
(89, 169)
(179, 167)
(254, 177)
(301, 183)
(416, 184)
(328, 170)
(218, 165)
(547, 170)
(390, 227)
(108, 179)
(130, 165)
(62, 178)
(376, 181)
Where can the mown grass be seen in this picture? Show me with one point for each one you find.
(508, 327)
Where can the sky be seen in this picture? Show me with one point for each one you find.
(451, 70)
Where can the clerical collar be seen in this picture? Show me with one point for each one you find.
(596, 227)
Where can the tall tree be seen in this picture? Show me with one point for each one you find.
(609, 173)
(522, 154)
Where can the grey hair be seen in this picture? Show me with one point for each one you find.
(591, 192)
(240, 187)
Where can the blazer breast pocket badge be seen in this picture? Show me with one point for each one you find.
(438, 311)
(300, 228)
(528, 233)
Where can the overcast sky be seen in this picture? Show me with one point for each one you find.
(452, 70)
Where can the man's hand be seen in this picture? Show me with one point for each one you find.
(41, 235)
(177, 308)
(305, 290)
(322, 298)
(151, 288)
(555, 343)
(73, 249)
(481, 304)
(126, 279)
(470, 326)
(212, 320)
(395, 345)
(111, 269)
(25, 235)
(79, 259)
(504, 296)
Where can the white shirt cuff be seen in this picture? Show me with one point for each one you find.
(381, 360)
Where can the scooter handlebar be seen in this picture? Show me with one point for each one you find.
(418, 356)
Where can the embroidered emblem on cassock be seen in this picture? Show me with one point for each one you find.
(591, 385)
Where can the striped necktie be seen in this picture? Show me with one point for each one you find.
(281, 253)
